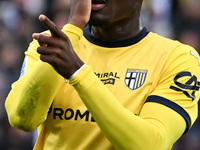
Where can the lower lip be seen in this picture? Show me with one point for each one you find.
(98, 6)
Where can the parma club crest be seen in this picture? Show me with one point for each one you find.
(135, 78)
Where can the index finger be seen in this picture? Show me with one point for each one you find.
(50, 26)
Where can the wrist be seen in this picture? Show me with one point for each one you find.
(78, 23)
(75, 73)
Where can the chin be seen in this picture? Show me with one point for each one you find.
(98, 21)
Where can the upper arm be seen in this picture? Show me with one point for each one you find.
(172, 106)
(169, 124)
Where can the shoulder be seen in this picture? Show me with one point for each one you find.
(169, 47)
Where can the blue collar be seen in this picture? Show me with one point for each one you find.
(113, 44)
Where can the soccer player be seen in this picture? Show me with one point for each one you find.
(105, 82)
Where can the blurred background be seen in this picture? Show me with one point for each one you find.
(175, 19)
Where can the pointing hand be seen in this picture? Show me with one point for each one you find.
(56, 49)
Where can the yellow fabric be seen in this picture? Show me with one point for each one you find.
(39, 84)
(119, 109)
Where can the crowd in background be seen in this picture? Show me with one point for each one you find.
(176, 19)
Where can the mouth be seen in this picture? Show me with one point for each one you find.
(98, 4)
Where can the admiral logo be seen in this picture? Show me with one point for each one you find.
(108, 78)
(189, 87)
(135, 78)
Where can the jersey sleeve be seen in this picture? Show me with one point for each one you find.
(179, 84)
(157, 127)
(31, 96)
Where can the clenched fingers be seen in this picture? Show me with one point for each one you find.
(47, 40)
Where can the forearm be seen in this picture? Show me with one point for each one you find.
(124, 129)
(74, 33)
(30, 98)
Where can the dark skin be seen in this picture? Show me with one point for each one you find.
(111, 19)
(117, 20)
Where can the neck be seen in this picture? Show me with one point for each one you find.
(117, 31)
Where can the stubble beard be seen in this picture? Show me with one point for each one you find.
(97, 21)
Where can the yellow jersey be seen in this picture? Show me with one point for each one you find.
(144, 88)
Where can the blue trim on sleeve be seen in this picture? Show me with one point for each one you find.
(172, 105)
